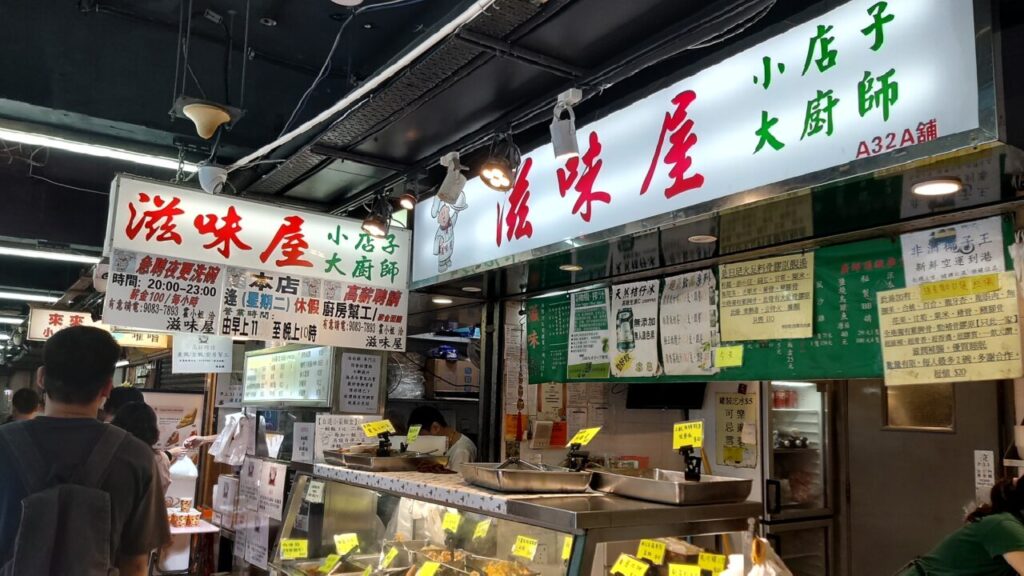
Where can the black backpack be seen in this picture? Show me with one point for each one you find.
(51, 540)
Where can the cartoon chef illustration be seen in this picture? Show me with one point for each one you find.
(446, 214)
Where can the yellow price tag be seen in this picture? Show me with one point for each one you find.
(389, 557)
(651, 550)
(960, 287)
(345, 543)
(374, 429)
(294, 549)
(729, 356)
(566, 547)
(688, 434)
(584, 436)
(413, 433)
(713, 563)
(525, 547)
(428, 569)
(683, 570)
(451, 521)
(629, 566)
(328, 564)
(481, 529)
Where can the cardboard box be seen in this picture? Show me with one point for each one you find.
(452, 377)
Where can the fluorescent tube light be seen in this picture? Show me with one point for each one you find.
(48, 255)
(28, 297)
(94, 150)
(5, 336)
(11, 320)
(121, 364)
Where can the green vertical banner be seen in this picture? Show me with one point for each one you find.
(547, 338)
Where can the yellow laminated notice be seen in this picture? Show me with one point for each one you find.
(481, 529)
(688, 434)
(345, 543)
(389, 557)
(584, 436)
(729, 356)
(451, 521)
(428, 569)
(294, 549)
(683, 570)
(713, 563)
(629, 566)
(960, 287)
(651, 550)
(566, 547)
(373, 429)
(525, 547)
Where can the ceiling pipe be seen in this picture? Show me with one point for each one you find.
(371, 84)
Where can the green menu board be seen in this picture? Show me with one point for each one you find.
(547, 338)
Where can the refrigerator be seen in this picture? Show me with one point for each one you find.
(797, 473)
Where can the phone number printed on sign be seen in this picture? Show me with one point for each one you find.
(165, 294)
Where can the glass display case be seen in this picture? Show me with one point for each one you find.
(343, 521)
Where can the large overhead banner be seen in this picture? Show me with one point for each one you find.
(847, 88)
(188, 262)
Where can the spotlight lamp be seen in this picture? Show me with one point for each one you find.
(563, 129)
(454, 180)
(407, 201)
(499, 171)
(378, 221)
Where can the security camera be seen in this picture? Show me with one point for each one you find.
(212, 178)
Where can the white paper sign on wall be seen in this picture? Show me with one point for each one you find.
(201, 354)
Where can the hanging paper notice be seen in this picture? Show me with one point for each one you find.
(735, 422)
(635, 312)
(302, 446)
(164, 294)
(588, 335)
(965, 249)
(583, 437)
(360, 383)
(298, 309)
(729, 356)
(689, 323)
(272, 481)
(768, 299)
(964, 338)
(201, 354)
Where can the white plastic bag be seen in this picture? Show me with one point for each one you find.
(766, 561)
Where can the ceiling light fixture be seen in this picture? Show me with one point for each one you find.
(703, 239)
(499, 171)
(378, 221)
(48, 255)
(94, 150)
(441, 300)
(407, 201)
(570, 267)
(473, 289)
(563, 130)
(121, 364)
(454, 181)
(207, 117)
(11, 320)
(937, 187)
(28, 297)
(5, 336)
(349, 3)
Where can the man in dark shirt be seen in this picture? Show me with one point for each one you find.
(77, 372)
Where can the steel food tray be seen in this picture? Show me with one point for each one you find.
(408, 461)
(670, 487)
(520, 477)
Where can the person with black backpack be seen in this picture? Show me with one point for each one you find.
(77, 497)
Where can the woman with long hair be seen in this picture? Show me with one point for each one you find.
(139, 420)
(991, 542)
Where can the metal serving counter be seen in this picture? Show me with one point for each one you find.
(593, 517)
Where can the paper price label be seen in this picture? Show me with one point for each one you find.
(413, 433)
(525, 547)
(713, 563)
(960, 287)
(389, 557)
(315, 492)
(651, 550)
(629, 566)
(428, 569)
(373, 429)
(729, 356)
(688, 434)
(345, 543)
(328, 564)
(294, 549)
(566, 547)
(451, 522)
(683, 570)
(481, 529)
(584, 436)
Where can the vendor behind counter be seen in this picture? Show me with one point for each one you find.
(460, 448)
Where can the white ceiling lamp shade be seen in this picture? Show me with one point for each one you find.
(33, 139)
(454, 180)
(563, 130)
(48, 255)
(28, 296)
(937, 187)
(207, 117)
(348, 3)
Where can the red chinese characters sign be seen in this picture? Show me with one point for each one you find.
(185, 224)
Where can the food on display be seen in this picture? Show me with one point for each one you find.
(433, 468)
(188, 419)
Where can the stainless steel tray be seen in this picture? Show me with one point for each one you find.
(408, 461)
(517, 477)
(670, 487)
